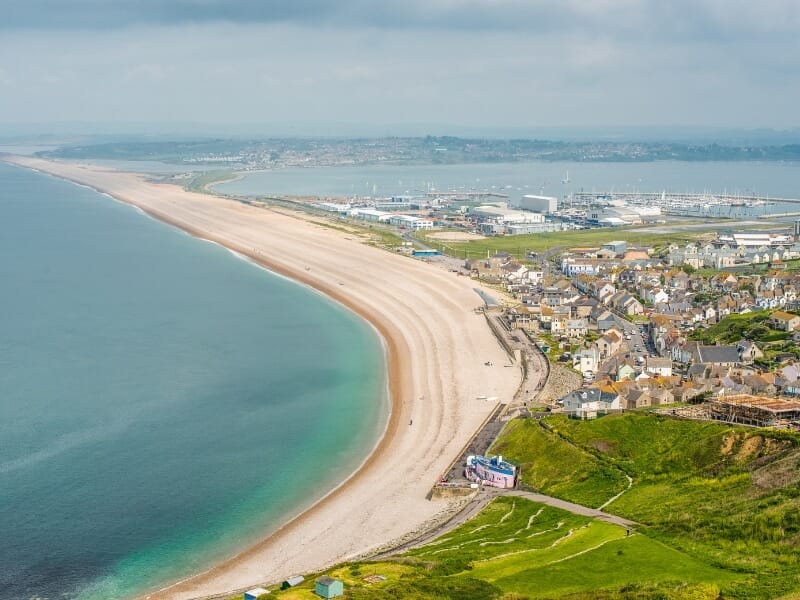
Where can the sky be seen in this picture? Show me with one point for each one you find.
(399, 64)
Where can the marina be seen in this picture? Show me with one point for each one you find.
(683, 203)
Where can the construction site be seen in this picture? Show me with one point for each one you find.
(759, 411)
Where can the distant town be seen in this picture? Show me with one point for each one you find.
(243, 154)
(709, 327)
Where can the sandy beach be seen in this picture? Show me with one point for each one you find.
(436, 350)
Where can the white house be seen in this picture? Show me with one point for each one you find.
(658, 366)
(588, 359)
(589, 402)
(576, 328)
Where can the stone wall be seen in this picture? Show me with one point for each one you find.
(560, 383)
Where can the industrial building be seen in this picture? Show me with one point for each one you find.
(409, 222)
(524, 228)
(618, 247)
(611, 216)
(370, 214)
(505, 215)
(499, 219)
(756, 239)
(541, 204)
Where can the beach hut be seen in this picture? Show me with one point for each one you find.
(255, 593)
(292, 581)
(328, 587)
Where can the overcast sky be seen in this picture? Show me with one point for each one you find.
(493, 63)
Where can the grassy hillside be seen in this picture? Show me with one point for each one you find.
(733, 328)
(752, 326)
(718, 509)
(591, 482)
(727, 497)
(518, 549)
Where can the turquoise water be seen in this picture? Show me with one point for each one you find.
(162, 403)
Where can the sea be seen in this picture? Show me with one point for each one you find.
(560, 179)
(163, 402)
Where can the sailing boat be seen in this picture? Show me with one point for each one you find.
(566, 178)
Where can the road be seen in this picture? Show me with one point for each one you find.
(629, 348)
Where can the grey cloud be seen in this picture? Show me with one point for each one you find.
(597, 62)
(689, 19)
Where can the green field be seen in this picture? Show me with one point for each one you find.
(518, 245)
(752, 326)
(718, 510)
(591, 480)
(202, 182)
(516, 548)
(729, 497)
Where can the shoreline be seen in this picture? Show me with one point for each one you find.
(389, 349)
(238, 572)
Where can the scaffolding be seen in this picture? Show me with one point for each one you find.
(759, 411)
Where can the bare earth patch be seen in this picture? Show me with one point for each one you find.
(455, 236)
(778, 474)
(727, 444)
(750, 447)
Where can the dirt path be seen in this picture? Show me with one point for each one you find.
(610, 500)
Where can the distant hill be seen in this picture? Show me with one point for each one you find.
(421, 150)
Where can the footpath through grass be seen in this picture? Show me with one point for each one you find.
(727, 497)
(518, 549)
(591, 481)
(718, 509)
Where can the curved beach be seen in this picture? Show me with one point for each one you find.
(436, 350)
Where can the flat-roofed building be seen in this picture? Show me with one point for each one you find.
(542, 204)
(410, 222)
(506, 215)
(370, 214)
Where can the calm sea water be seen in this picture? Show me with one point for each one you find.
(162, 403)
(516, 179)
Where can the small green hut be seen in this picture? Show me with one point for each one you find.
(328, 587)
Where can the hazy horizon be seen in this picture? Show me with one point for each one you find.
(99, 133)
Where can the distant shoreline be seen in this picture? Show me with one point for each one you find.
(421, 363)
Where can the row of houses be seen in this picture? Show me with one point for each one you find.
(721, 257)
(632, 390)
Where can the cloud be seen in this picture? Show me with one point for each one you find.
(498, 62)
(719, 19)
